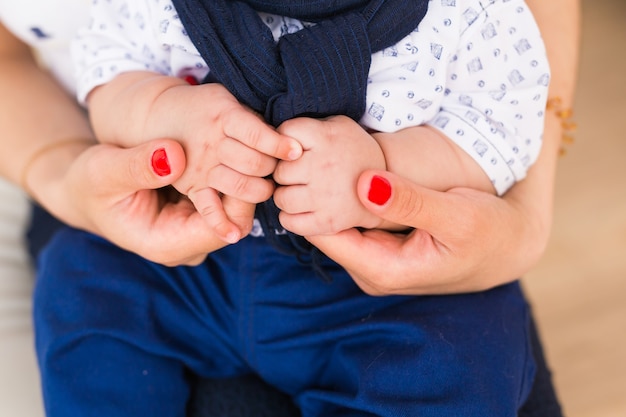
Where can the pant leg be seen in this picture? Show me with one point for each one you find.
(542, 400)
(115, 334)
(339, 352)
(41, 228)
(251, 396)
(240, 396)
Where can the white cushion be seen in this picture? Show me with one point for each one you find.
(19, 379)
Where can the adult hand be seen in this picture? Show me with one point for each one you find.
(463, 240)
(112, 192)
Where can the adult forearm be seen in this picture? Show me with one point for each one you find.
(559, 22)
(35, 112)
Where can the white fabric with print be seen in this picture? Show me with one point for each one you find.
(49, 27)
(474, 69)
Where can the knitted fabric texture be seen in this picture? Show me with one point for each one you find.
(318, 71)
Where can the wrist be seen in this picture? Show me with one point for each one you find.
(170, 106)
(134, 107)
(47, 167)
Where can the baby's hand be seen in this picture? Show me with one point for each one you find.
(318, 192)
(230, 150)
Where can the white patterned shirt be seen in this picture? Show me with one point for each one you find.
(48, 27)
(474, 69)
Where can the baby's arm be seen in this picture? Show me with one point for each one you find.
(484, 131)
(488, 127)
(428, 157)
(480, 82)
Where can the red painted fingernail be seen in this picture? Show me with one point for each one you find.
(160, 163)
(191, 80)
(380, 190)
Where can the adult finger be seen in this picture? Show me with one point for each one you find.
(391, 258)
(401, 201)
(147, 166)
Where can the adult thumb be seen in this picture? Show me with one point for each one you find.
(147, 166)
(402, 201)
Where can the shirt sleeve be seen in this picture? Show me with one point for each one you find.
(496, 91)
(120, 37)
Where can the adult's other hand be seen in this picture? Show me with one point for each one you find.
(460, 240)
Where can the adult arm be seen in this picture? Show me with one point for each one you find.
(467, 240)
(33, 106)
(99, 188)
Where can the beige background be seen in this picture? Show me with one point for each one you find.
(579, 288)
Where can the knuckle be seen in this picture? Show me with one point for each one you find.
(265, 190)
(372, 290)
(255, 164)
(208, 210)
(248, 126)
(289, 126)
(279, 199)
(278, 172)
(245, 227)
(195, 260)
(410, 206)
(241, 187)
(260, 165)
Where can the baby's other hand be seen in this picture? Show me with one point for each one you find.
(317, 193)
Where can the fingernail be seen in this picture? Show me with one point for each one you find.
(191, 80)
(294, 153)
(160, 163)
(232, 237)
(380, 190)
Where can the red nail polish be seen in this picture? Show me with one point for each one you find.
(160, 163)
(380, 190)
(191, 80)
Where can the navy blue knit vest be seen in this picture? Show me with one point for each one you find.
(318, 71)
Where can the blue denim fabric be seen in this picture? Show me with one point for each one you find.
(118, 335)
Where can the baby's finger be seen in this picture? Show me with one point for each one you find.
(245, 160)
(253, 132)
(294, 199)
(208, 203)
(294, 172)
(243, 187)
(303, 224)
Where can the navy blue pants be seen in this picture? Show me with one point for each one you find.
(118, 336)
